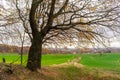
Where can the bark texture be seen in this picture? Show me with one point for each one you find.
(35, 52)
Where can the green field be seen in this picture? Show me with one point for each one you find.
(108, 61)
(48, 59)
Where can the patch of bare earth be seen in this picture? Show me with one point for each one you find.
(74, 62)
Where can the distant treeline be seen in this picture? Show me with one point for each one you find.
(16, 49)
(12, 49)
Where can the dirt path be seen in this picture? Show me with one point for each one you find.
(74, 62)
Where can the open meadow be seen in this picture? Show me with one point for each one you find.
(107, 61)
(94, 67)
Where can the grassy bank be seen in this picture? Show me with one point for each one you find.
(69, 72)
(95, 67)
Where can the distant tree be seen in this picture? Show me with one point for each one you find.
(61, 22)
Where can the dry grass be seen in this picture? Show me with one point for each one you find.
(62, 72)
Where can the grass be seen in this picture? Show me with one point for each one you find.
(48, 59)
(106, 61)
(12, 58)
(110, 61)
(69, 72)
(51, 59)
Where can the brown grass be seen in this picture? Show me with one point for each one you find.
(62, 72)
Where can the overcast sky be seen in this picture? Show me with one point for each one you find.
(114, 40)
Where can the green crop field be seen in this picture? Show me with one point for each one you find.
(108, 61)
(48, 59)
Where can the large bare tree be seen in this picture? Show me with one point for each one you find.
(60, 21)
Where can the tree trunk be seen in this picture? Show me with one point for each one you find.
(35, 53)
(21, 53)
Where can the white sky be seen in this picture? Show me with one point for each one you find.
(114, 41)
